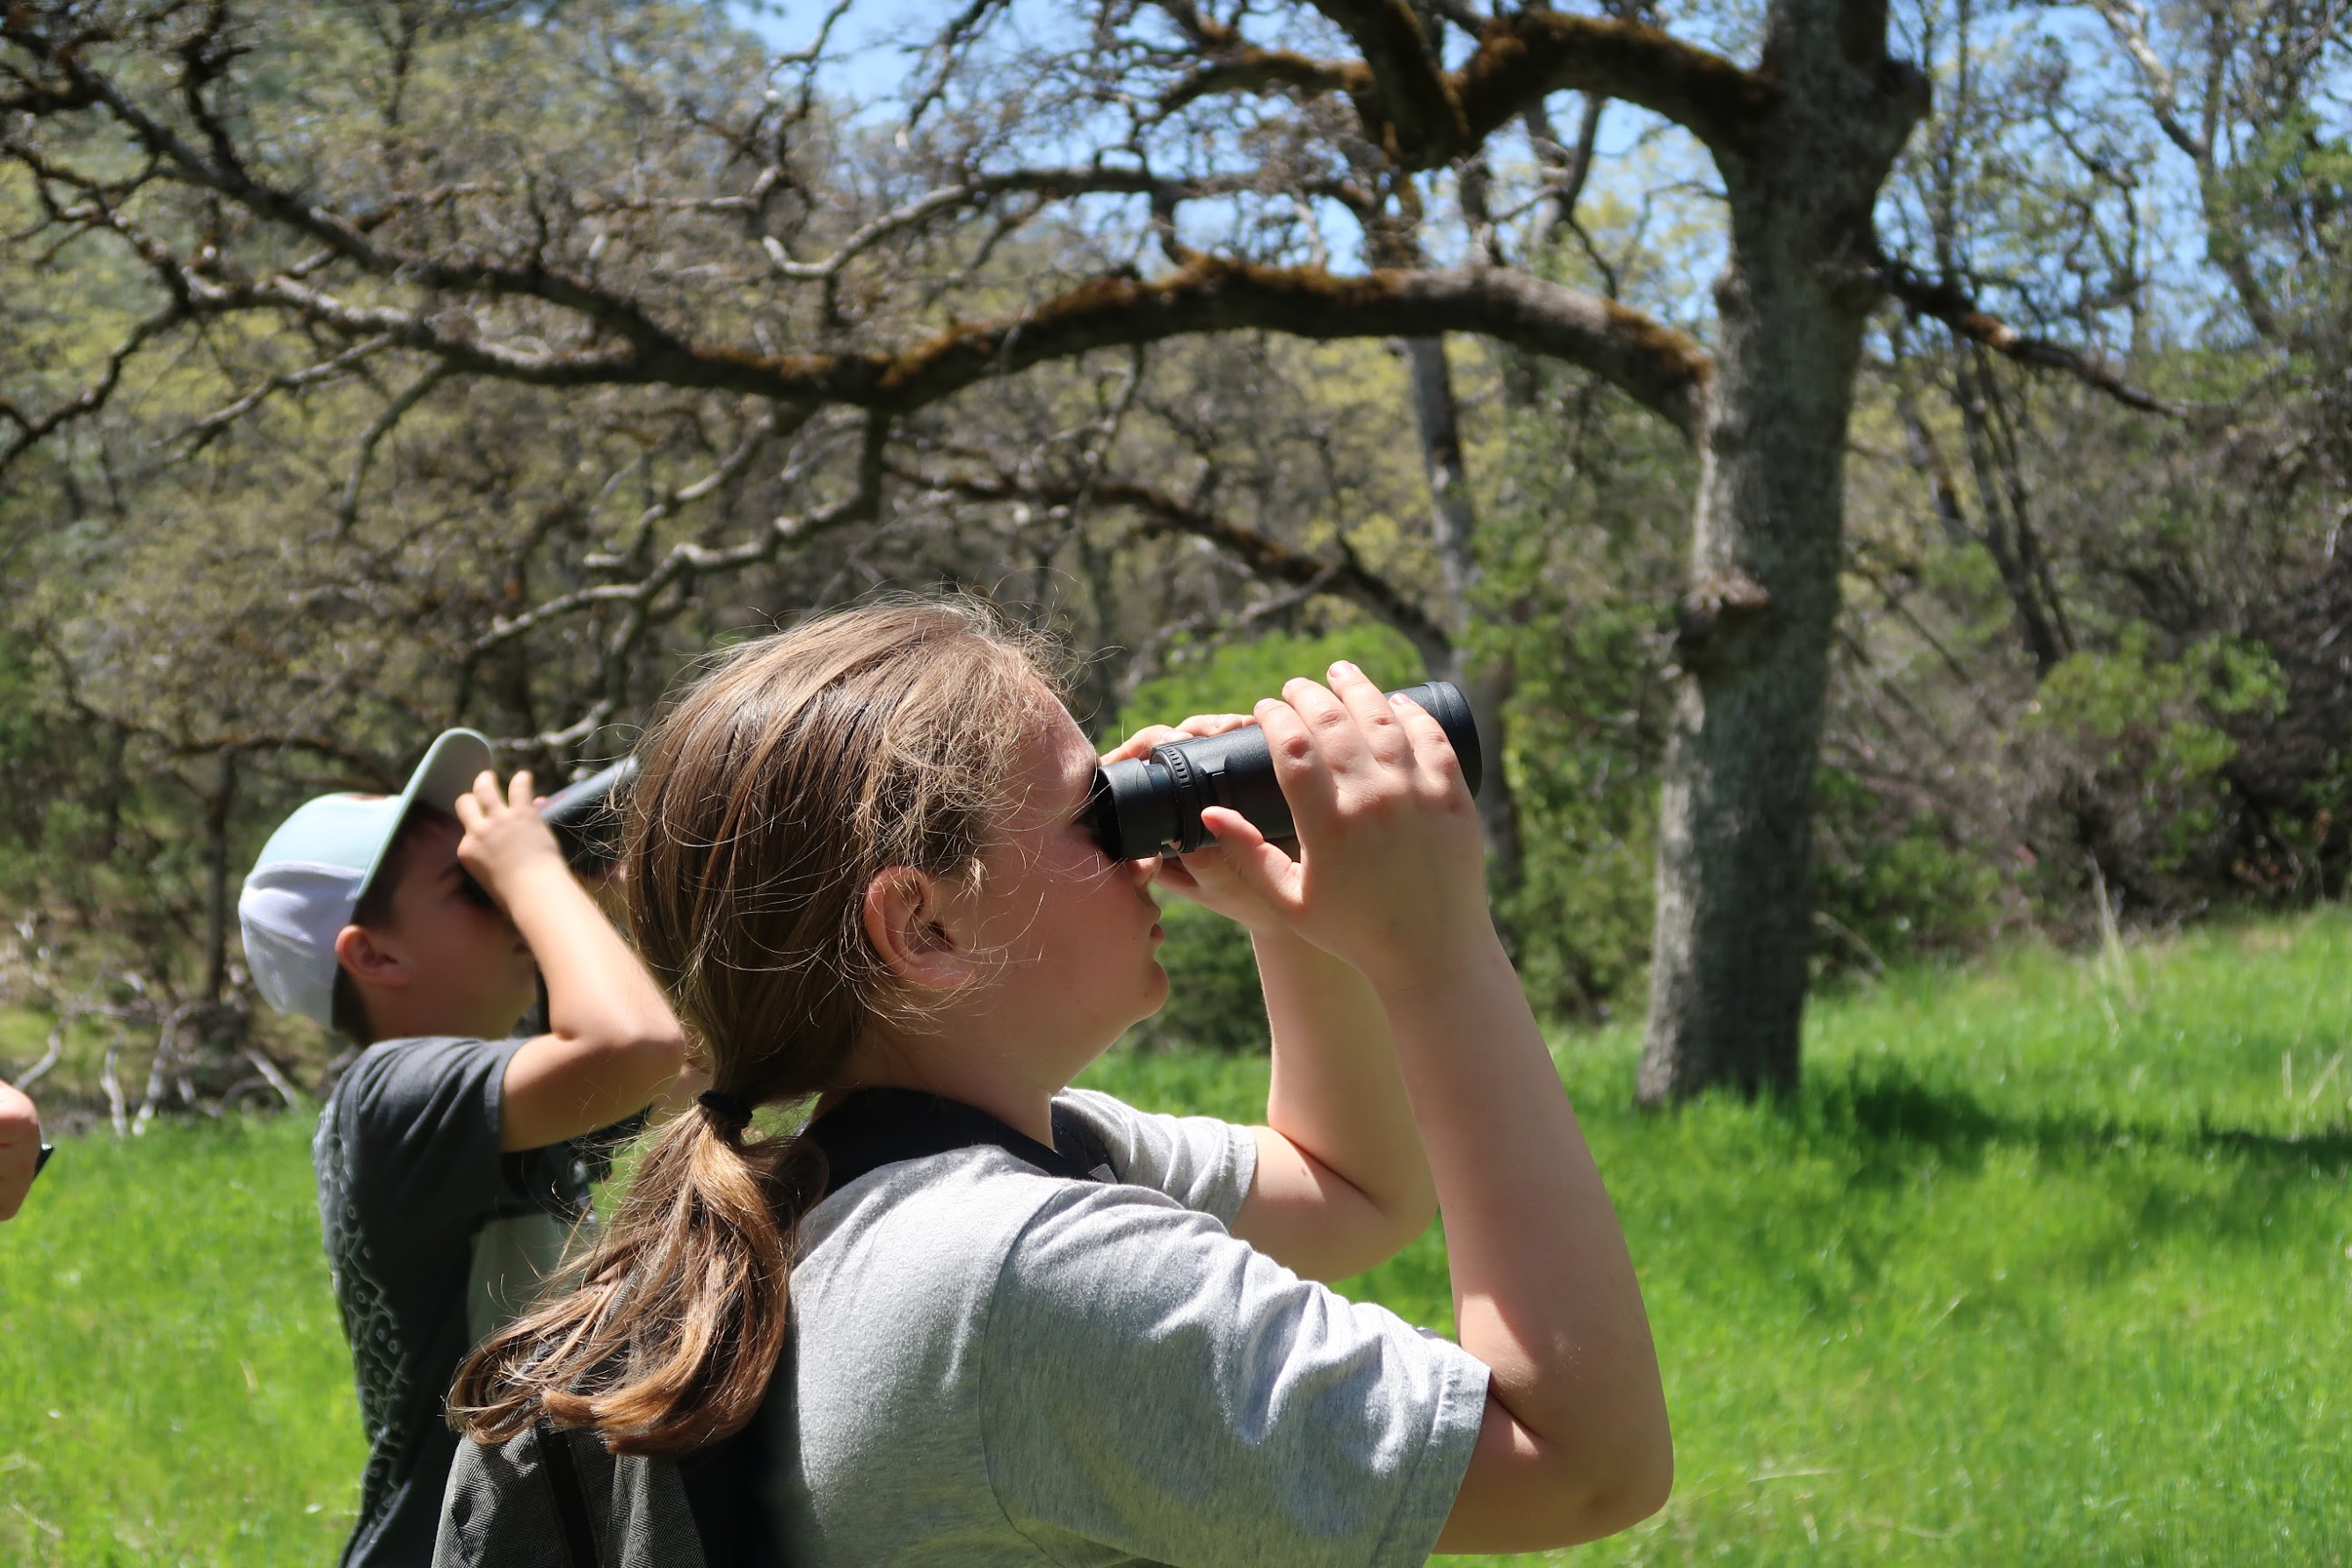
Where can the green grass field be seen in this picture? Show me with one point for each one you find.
(2050, 1263)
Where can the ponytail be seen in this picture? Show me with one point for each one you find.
(667, 1343)
(809, 764)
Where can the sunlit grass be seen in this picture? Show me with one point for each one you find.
(174, 1386)
(2047, 1265)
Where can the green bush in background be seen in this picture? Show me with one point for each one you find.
(1230, 678)
(1890, 882)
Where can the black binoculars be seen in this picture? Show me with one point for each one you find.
(1152, 805)
(587, 816)
(1149, 806)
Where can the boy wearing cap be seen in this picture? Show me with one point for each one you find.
(452, 1158)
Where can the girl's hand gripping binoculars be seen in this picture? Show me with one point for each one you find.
(1152, 804)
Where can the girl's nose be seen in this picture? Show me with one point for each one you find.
(1145, 870)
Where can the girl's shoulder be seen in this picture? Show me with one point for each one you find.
(942, 1227)
(1200, 1161)
(902, 1272)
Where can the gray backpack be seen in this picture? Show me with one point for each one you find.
(545, 1498)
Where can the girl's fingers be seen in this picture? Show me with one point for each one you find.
(518, 790)
(1298, 764)
(1432, 754)
(1375, 719)
(1141, 742)
(1258, 866)
(1338, 745)
(1215, 723)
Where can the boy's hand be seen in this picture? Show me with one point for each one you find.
(612, 1045)
(1206, 877)
(1389, 876)
(506, 842)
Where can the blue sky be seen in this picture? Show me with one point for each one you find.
(879, 43)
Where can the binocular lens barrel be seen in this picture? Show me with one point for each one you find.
(1152, 805)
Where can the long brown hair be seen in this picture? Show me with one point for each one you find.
(782, 783)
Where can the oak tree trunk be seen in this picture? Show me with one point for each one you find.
(1734, 931)
(218, 806)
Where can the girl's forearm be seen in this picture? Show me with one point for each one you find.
(1543, 1285)
(1336, 1093)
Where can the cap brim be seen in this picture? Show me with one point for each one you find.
(455, 760)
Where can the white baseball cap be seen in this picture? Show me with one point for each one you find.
(316, 867)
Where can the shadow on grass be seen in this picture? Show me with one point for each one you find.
(1896, 1119)
(1820, 1195)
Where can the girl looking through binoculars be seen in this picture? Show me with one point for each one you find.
(859, 862)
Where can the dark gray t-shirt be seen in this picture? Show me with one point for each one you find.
(434, 1237)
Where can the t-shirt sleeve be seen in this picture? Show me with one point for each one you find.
(1199, 1161)
(1153, 1386)
(423, 1117)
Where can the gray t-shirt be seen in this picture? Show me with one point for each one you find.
(987, 1365)
(434, 1237)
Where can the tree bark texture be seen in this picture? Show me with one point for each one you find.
(216, 879)
(1734, 928)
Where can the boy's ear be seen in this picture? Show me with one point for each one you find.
(911, 932)
(366, 959)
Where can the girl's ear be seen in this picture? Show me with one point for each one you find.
(366, 959)
(911, 927)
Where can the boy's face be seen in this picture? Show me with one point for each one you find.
(468, 969)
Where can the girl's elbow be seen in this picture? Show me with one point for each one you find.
(1640, 1489)
(1409, 1210)
(1617, 1486)
(1599, 1503)
(1409, 1219)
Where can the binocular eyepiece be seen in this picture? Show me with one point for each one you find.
(1148, 807)
(1152, 805)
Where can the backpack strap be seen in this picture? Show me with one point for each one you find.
(722, 1486)
(868, 1129)
(871, 1127)
(570, 1502)
(1075, 1135)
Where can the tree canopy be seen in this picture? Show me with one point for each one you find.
(1914, 438)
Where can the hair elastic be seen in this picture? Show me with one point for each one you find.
(731, 1112)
